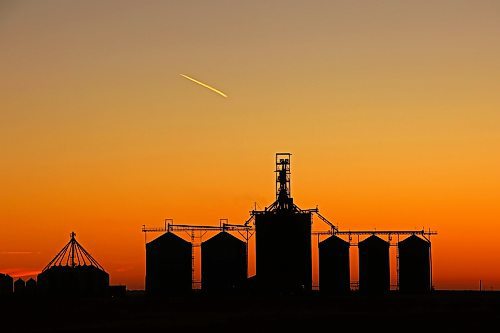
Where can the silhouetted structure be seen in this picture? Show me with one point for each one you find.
(118, 291)
(414, 265)
(334, 273)
(374, 274)
(6, 284)
(73, 272)
(223, 263)
(283, 251)
(19, 287)
(283, 239)
(31, 287)
(168, 265)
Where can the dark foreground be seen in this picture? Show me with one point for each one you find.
(444, 311)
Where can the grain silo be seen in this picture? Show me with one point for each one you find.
(414, 265)
(374, 274)
(6, 285)
(283, 251)
(31, 287)
(223, 263)
(73, 272)
(19, 287)
(283, 239)
(168, 265)
(334, 272)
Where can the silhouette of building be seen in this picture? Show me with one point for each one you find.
(168, 265)
(223, 263)
(283, 239)
(19, 287)
(283, 251)
(374, 274)
(31, 287)
(6, 284)
(334, 272)
(414, 265)
(73, 272)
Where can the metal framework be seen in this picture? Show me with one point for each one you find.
(426, 234)
(73, 255)
(196, 234)
(244, 230)
(283, 172)
(284, 203)
(350, 233)
(333, 227)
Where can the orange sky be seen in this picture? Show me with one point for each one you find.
(390, 108)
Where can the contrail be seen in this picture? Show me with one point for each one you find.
(205, 85)
(17, 252)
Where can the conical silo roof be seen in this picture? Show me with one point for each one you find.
(73, 255)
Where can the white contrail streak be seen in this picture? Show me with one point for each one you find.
(205, 85)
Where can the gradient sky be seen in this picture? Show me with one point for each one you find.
(391, 110)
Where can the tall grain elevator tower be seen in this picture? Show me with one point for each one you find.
(283, 239)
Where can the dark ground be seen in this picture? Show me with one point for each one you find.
(444, 311)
